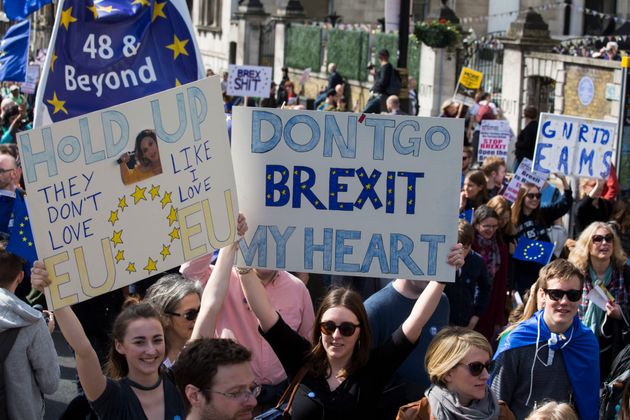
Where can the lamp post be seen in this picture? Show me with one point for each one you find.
(403, 47)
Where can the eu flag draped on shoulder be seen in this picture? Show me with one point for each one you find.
(581, 367)
(106, 52)
(14, 52)
(535, 251)
(20, 9)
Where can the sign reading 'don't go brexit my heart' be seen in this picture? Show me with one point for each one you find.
(130, 191)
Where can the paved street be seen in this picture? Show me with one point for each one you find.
(56, 403)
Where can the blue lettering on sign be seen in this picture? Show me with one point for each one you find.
(336, 251)
(586, 158)
(437, 138)
(607, 162)
(278, 193)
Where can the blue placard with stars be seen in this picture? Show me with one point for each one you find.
(105, 52)
(535, 251)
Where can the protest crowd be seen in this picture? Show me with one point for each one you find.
(511, 336)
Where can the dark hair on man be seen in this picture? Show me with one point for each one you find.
(384, 53)
(530, 112)
(10, 267)
(199, 362)
(465, 233)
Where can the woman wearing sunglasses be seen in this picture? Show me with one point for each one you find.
(598, 253)
(343, 377)
(531, 222)
(178, 300)
(459, 363)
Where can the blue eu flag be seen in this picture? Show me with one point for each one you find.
(535, 251)
(14, 52)
(467, 215)
(20, 9)
(106, 52)
(21, 240)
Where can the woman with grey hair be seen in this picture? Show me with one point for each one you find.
(178, 299)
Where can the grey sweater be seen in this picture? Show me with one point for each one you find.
(31, 368)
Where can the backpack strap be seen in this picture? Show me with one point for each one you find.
(292, 389)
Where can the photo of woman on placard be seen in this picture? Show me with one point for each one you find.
(147, 159)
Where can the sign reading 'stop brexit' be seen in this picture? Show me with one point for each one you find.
(342, 193)
(574, 146)
(106, 52)
(130, 191)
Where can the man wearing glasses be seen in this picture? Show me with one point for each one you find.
(216, 380)
(9, 178)
(552, 355)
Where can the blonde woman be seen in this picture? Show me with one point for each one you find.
(599, 255)
(553, 411)
(459, 363)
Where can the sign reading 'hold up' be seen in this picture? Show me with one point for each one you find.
(130, 191)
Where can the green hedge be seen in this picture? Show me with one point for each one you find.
(388, 41)
(303, 47)
(348, 50)
(413, 57)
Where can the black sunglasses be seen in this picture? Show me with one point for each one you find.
(188, 315)
(531, 196)
(600, 238)
(345, 328)
(557, 294)
(475, 368)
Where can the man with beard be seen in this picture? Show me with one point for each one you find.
(216, 380)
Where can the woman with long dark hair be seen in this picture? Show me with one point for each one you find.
(147, 155)
(134, 385)
(531, 222)
(342, 377)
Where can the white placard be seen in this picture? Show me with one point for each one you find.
(524, 174)
(494, 139)
(342, 193)
(574, 146)
(249, 81)
(97, 224)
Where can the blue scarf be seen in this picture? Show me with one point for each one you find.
(581, 358)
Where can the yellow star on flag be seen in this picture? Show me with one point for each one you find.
(172, 216)
(122, 203)
(120, 255)
(154, 191)
(106, 9)
(166, 251)
(67, 18)
(177, 82)
(113, 217)
(158, 11)
(93, 10)
(131, 268)
(52, 61)
(141, 2)
(166, 199)
(151, 266)
(117, 238)
(174, 234)
(178, 46)
(58, 104)
(138, 194)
